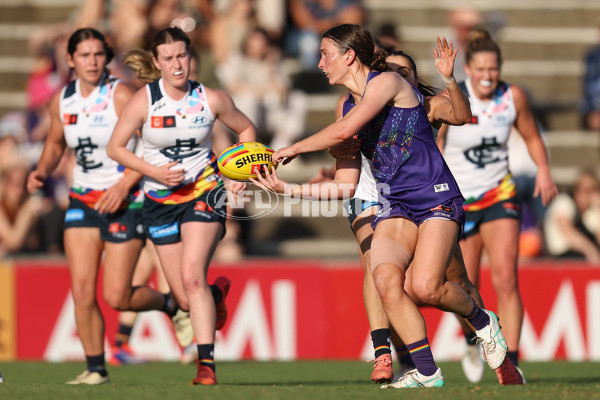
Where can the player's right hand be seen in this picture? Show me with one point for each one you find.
(168, 175)
(35, 181)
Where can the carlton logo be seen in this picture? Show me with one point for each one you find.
(253, 158)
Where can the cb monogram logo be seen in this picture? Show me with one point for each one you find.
(484, 153)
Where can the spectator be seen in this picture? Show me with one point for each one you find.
(18, 212)
(590, 106)
(230, 27)
(572, 224)
(463, 21)
(261, 89)
(310, 18)
(388, 38)
(50, 72)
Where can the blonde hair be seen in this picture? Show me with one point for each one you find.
(480, 41)
(140, 62)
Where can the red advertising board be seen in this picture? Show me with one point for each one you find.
(307, 309)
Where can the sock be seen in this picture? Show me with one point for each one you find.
(216, 293)
(206, 355)
(123, 334)
(404, 357)
(421, 354)
(381, 342)
(478, 318)
(514, 357)
(471, 338)
(96, 364)
(170, 306)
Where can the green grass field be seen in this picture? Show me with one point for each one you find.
(314, 380)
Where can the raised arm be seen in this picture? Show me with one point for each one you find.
(452, 105)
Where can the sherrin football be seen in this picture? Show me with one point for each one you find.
(244, 160)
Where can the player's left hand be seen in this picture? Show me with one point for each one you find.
(444, 56)
(271, 181)
(545, 186)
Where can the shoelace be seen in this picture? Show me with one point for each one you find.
(381, 360)
(410, 374)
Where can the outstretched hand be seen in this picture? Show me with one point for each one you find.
(444, 56)
(271, 181)
(284, 155)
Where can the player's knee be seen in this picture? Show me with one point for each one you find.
(504, 281)
(116, 299)
(428, 291)
(388, 280)
(84, 295)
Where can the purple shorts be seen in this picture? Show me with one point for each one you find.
(451, 209)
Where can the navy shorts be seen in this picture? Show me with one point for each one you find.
(117, 227)
(504, 209)
(355, 206)
(451, 210)
(163, 221)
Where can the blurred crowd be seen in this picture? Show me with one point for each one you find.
(258, 51)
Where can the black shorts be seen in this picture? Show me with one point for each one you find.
(508, 208)
(117, 227)
(355, 206)
(163, 221)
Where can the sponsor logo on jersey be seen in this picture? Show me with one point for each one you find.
(164, 230)
(98, 121)
(69, 119)
(474, 120)
(441, 187)
(166, 121)
(75, 214)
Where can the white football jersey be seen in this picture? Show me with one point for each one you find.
(178, 130)
(88, 123)
(477, 152)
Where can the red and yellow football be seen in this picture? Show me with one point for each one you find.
(244, 160)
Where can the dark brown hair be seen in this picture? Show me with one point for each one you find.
(353, 37)
(83, 34)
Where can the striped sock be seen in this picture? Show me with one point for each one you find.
(96, 364)
(381, 341)
(421, 354)
(404, 357)
(123, 334)
(206, 355)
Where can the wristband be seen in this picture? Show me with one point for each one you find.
(450, 82)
